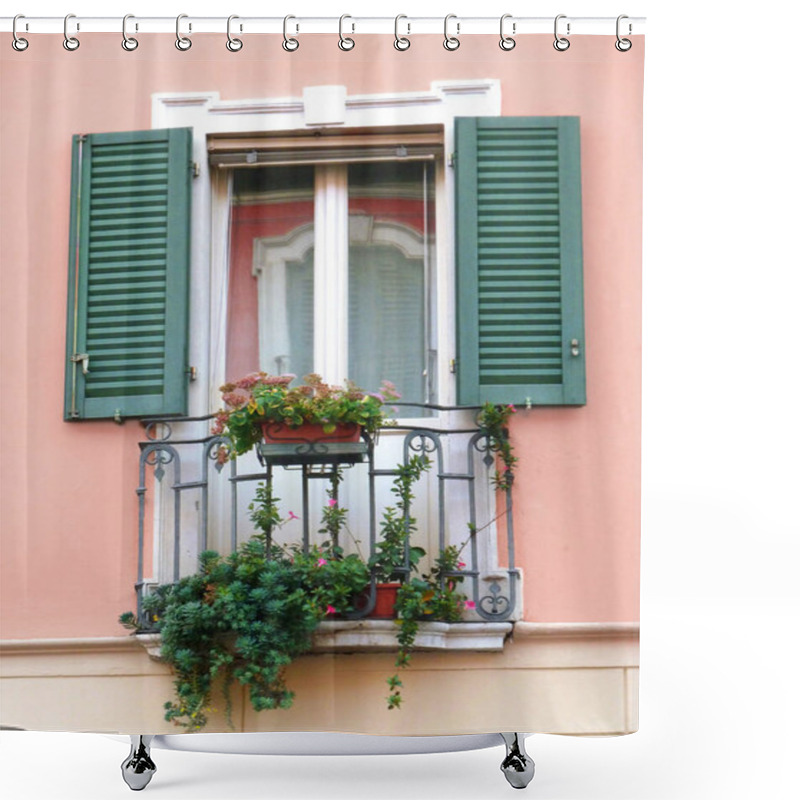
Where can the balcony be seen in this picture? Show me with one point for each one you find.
(190, 502)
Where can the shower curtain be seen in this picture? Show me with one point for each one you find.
(433, 255)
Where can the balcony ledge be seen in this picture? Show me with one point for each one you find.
(380, 636)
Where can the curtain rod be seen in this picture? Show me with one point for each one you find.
(410, 25)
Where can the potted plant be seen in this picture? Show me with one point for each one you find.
(262, 406)
(394, 558)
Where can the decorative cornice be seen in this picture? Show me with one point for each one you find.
(436, 95)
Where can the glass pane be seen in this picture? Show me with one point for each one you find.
(272, 241)
(390, 208)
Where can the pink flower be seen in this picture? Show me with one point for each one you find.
(470, 604)
(322, 562)
(461, 565)
(279, 380)
(292, 515)
(332, 502)
(512, 408)
(330, 610)
(249, 381)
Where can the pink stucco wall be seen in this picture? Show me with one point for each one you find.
(68, 489)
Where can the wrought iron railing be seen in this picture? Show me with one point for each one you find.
(460, 457)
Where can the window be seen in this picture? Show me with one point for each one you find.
(343, 258)
(495, 296)
(417, 242)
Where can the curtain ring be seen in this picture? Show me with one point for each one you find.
(70, 42)
(345, 42)
(128, 42)
(623, 45)
(289, 44)
(451, 42)
(400, 42)
(182, 42)
(233, 44)
(561, 44)
(506, 42)
(18, 43)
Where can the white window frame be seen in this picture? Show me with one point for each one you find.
(208, 115)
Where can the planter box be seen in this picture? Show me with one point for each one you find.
(308, 434)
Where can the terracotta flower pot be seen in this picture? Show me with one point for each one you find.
(385, 599)
(308, 433)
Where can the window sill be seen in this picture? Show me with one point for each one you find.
(379, 636)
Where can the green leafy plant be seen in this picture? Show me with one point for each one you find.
(493, 421)
(398, 526)
(261, 398)
(334, 516)
(245, 617)
(432, 596)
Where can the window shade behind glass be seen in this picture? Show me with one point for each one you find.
(272, 230)
(389, 245)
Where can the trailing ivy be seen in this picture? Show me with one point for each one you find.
(246, 617)
(433, 596)
(493, 422)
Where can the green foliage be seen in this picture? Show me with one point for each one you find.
(334, 517)
(246, 617)
(433, 596)
(493, 421)
(398, 526)
(258, 398)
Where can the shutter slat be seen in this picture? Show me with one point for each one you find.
(131, 281)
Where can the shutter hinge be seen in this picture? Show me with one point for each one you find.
(118, 416)
(451, 160)
(454, 365)
(192, 373)
(82, 137)
(195, 169)
(82, 359)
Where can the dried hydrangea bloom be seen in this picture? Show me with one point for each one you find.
(278, 380)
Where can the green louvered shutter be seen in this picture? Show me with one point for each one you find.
(519, 261)
(127, 316)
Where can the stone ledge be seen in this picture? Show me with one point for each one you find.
(576, 630)
(380, 636)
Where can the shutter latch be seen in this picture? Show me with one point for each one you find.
(453, 366)
(83, 360)
(575, 347)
